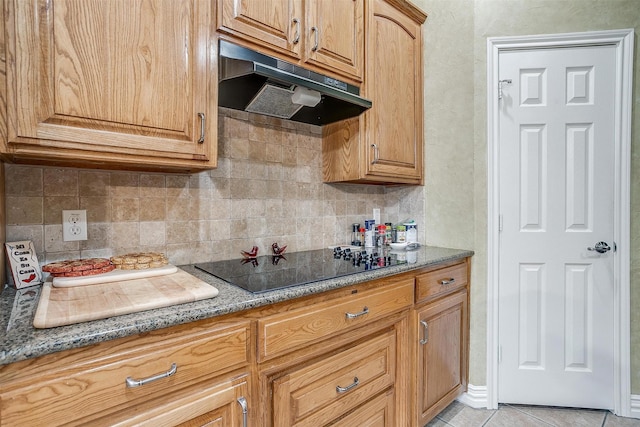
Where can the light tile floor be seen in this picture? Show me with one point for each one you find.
(460, 415)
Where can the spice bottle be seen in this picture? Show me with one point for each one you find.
(401, 236)
(381, 235)
(387, 237)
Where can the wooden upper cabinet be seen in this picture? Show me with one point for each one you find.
(393, 126)
(324, 36)
(385, 144)
(117, 83)
(335, 36)
(269, 23)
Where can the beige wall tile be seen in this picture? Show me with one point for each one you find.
(53, 207)
(97, 237)
(60, 182)
(124, 237)
(53, 240)
(98, 208)
(93, 184)
(152, 233)
(23, 181)
(152, 186)
(153, 209)
(181, 231)
(24, 210)
(179, 209)
(125, 209)
(35, 233)
(125, 184)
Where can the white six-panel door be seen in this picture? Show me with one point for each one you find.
(556, 191)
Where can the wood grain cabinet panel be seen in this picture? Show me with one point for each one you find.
(324, 36)
(266, 22)
(442, 359)
(321, 392)
(378, 412)
(112, 84)
(438, 282)
(291, 330)
(98, 386)
(220, 404)
(385, 144)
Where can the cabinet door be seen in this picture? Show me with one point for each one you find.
(223, 404)
(318, 393)
(378, 412)
(112, 77)
(442, 354)
(334, 36)
(393, 126)
(274, 24)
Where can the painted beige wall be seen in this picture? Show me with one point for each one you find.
(455, 118)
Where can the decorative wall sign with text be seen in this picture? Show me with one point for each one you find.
(24, 264)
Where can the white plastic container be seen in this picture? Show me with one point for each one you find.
(412, 232)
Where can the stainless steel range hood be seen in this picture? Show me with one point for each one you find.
(257, 83)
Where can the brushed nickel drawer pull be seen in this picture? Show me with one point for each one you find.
(315, 32)
(356, 381)
(364, 311)
(243, 404)
(137, 383)
(425, 327)
(447, 281)
(376, 154)
(202, 123)
(296, 36)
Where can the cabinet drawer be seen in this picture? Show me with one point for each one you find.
(291, 330)
(323, 391)
(99, 385)
(379, 412)
(440, 282)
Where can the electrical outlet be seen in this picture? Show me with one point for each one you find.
(74, 225)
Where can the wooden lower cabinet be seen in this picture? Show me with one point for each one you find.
(442, 353)
(321, 392)
(378, 412)
(167, 375)
(388, 352)
(221, 403)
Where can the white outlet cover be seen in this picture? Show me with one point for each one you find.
(74, 225)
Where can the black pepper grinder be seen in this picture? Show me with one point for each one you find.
(355, 235)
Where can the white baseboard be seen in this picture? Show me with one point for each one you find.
(635, 406)
(476, 396)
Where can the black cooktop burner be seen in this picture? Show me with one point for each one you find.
(269, 272)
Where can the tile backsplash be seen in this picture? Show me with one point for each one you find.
(267, 188)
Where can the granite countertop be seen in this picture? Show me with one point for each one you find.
(22, 341)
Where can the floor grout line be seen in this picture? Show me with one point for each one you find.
(490, 417)
(529, 415)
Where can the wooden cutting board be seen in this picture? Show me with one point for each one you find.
(69, 305)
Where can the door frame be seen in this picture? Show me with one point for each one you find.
(623, 41)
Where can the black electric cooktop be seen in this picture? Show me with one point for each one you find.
(270, 272)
